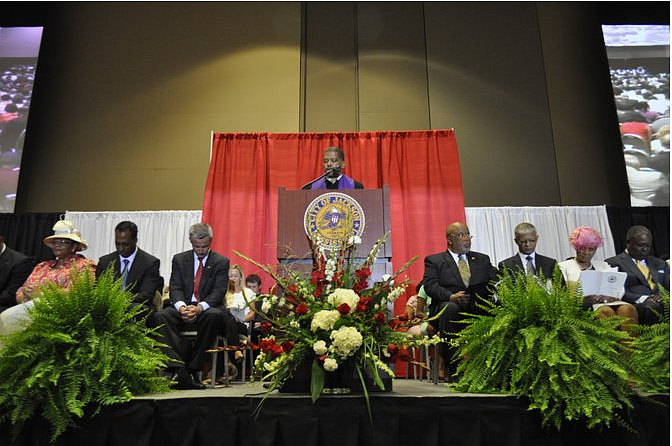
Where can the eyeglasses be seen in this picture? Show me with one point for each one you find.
(462, 235)
(61, 242)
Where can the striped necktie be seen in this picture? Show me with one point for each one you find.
(124, 273)
(463, 266)
(529, 266)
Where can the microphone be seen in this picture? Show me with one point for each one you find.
(335, 170)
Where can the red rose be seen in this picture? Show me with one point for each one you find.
(344, 308)
(287, 346)
(380, 317)
(301, 309)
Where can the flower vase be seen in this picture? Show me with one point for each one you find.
(339, 381)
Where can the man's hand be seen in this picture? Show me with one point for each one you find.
(460, 298)
(189, 313)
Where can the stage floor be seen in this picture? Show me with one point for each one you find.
(401, 388)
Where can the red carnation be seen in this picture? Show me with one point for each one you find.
(404, 354)
(318, 276)
(380, 317)
(301, 309)
(363, 304)
(277, 349)
(287, 346)
(317, 293)
(344, 308)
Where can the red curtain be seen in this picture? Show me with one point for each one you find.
(422, 169)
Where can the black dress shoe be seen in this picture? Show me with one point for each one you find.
(186, 382)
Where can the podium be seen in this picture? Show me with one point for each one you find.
(293, 241)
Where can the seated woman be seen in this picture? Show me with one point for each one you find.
(65, 244)
(416, 311)
(585, 241)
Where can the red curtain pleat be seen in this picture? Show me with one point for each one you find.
(421, 168)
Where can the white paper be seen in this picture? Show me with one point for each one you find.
(605, 283)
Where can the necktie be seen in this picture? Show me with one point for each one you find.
(124, 273)
(645, 270)
(197, 280)
(529, 266)
(463, 266)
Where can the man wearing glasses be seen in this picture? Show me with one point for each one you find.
(455, 279)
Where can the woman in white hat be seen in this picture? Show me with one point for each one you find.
(65, 244)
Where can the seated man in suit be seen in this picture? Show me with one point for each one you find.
(455, 279)
(525, 236)
(138, 269)
(333, 178)
(646, 274)
(14, 270)
(198, 282)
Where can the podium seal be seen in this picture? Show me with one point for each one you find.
(334, 217)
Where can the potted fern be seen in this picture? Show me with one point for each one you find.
(538, 343)
(85, 348)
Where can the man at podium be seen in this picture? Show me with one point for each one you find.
(333, 176)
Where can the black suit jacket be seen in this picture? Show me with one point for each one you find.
(542, 264)
(636, 284)
(214, 280)
(14, 270)
(442, 277)
(144, 278)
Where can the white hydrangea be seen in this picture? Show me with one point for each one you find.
(330, 364)
(343, 295)
(346, 341)
(324, 319)
(320, 347)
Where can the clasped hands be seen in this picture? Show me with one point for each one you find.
(600, 299)
(461, 298)
(189, 313)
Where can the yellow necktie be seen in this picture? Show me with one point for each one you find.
(643, 268)
(463, 266)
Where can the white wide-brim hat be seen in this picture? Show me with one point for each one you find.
(66, 229)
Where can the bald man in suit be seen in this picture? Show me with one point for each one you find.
(643, 291)
(14, 270)
(141, 269)
(455, 279)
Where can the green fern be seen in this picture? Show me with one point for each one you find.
(539, 343)
(650, 359)
(85, 348)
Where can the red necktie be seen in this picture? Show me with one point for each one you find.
(197, 280)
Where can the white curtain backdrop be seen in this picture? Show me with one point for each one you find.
(165, 233)
(492, 228)
(161, 233)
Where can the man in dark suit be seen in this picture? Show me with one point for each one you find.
(139, 269)
(14, 270)
(525, 237)
(198, 282)
(455, 279)
(646, 274)
(333, 178)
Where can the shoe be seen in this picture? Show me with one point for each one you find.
(186, 382)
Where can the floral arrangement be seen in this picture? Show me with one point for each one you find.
(335, 319)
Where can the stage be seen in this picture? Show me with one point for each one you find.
(415, 413)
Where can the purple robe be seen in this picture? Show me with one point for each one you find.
(345, 182)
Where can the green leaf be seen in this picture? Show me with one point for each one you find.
(316, 381)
